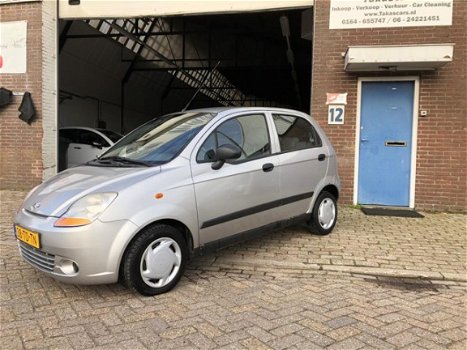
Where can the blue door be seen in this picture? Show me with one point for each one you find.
(385, 143)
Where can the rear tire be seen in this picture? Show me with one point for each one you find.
(155, 260)
(324, 215)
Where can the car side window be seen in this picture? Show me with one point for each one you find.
(69, 135)
(88, 137)
(295, 133)
(249, 133)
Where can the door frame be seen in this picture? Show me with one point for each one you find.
(413, 162)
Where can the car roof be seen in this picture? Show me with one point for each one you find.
(243, 109)
(95, 130)
(78, 127)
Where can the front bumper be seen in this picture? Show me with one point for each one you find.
(88, 254)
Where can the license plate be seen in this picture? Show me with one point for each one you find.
(28, 237)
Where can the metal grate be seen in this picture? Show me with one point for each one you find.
(37, 258)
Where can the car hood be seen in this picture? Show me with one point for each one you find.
(53, 197)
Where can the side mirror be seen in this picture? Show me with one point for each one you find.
(225, 152)
(97, 144)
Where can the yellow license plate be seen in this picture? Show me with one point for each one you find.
(29, 237)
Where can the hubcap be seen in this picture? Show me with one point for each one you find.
(160, 262)
(326, 213)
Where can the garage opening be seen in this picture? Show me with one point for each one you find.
(116, 74)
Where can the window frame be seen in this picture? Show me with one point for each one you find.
(226, 119)
(314, 129)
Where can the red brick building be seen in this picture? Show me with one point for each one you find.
(364, 58)
(21, 144)
(440, 179)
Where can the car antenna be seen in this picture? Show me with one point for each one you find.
(201, 86)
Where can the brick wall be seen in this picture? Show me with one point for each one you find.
(20, 143)
(441, 149)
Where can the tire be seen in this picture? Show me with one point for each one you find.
(324, 215)
(155, 260)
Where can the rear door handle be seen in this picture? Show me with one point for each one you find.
(268, 167)
(77, 147)
(321, 157)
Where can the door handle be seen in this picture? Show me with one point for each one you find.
(268, 167)
(363, 140)
(77, 147)
(321, 157)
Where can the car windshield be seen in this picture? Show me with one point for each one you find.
(113, 136)
(159, 140)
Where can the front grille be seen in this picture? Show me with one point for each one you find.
(37, 258)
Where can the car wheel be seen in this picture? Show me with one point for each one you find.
(155, 260)
(324, 215)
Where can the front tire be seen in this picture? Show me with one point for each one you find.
(324, 215)
(155, 260)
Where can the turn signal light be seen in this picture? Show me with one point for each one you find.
(71, 222)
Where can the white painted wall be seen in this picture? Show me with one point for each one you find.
(152, 8)
(49, 89)
(90, 77)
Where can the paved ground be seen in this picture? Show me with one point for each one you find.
(288, 290)
(434, 247)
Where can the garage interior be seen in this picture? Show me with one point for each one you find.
(119, 73)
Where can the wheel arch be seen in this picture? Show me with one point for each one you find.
(332, 189)
(180, 226)
(314, 223)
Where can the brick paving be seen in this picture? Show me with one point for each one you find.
(434, 246)
(222, 305)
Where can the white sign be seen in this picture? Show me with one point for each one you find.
(336, 98)
(15, 1)
(346, 14)
(13, 47)
(336, 114)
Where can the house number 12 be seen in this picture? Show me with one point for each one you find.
(336, 114)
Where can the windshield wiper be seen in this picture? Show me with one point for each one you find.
(124, 160)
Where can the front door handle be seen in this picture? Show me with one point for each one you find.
(77, 147)
(321, 157)
(268, 167)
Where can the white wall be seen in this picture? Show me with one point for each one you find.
(90, 75)
(49, 89)
(151, 8)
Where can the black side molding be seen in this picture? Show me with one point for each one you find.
(250, 234)
(257, 209)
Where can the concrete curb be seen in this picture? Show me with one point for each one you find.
(267, 265)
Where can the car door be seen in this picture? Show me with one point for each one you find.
(303, 162)
(242, 194)
(87, 146)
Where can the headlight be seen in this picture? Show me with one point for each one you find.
(26, 198)
(86, 210)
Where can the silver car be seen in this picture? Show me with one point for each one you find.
(176, 187)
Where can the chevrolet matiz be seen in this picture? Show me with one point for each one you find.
(175, 187)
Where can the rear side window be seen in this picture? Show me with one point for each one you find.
(69, 135)
(249, 133)
(295, 133)
(88, 137)
(113, 136)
